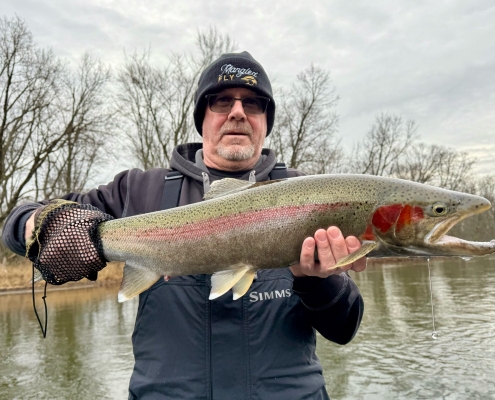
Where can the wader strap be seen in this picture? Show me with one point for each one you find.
(278, 172)
(171, 190)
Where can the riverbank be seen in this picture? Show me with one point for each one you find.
(16, 275)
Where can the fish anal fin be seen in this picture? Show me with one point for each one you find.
(226, 186)
(135, 281)
(366, 248)
(243, 284)
(223, 281)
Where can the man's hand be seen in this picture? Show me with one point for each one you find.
(66, 245)
(331, 247)
(29, 227)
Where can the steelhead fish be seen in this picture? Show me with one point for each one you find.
(244, 227)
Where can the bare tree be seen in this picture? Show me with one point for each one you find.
(303, 135)
(28, 90)
(486, 188)
(435, 165)
(45, 113)
(419, 163)
(481, 226)
(156, 104)
(82, 105)
(455, 169)
(383, 146)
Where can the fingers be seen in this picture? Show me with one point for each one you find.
(306, 263)
(337, 244)
(325, 246)
(331, 246)
(354, 244)
(331, 250)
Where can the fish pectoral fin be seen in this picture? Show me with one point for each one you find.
(366, 248)
(226, 186)
(135, 281)
(223, 281)
(243, 284)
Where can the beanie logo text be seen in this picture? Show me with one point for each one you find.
(238, 72)
(228, 72)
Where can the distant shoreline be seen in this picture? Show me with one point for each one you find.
(15, 277)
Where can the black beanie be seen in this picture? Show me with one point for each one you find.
(233, 70)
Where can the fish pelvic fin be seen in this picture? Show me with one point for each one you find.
(226, 186)
(135, 281)
(366, 248)
(223, 281)
(243, 284)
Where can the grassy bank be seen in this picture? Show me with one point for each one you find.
(16, 273)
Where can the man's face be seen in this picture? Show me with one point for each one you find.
(233, 141)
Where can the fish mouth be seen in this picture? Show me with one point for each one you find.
(454, 246)
(438, 242)
(440, 229)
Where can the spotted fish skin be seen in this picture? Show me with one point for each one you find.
(263, 226)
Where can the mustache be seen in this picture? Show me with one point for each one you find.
(234, 126)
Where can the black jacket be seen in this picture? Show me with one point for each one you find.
(261, 346)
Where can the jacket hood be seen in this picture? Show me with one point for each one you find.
(187, 160)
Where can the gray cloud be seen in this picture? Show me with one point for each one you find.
(431, 62)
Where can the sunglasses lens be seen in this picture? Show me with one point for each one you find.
(223, 104)
(254, 105)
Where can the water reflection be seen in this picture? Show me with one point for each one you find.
(88, 354)
(393, 355)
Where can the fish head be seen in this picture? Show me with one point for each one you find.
(414, 221)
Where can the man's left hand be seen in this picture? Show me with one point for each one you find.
(331, 246)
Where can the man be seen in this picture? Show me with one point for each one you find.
(261, 346)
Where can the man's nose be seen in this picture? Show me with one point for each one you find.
(237, 111)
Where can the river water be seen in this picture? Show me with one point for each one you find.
(88, 354)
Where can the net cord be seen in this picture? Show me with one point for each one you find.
(43, 330)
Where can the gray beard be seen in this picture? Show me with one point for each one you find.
(239, 154)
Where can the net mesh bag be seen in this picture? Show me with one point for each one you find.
(66, 245)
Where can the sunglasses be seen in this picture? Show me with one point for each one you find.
(223, 103)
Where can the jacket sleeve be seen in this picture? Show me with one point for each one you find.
(334, 304)
(115, 198)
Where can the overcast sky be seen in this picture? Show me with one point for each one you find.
(433, 62)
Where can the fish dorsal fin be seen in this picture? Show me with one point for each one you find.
(226, 186)
(366, 248)
(135, 281)
(223, 281)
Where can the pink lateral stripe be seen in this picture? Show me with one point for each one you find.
(195, 231)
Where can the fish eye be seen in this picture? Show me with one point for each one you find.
(439, 209)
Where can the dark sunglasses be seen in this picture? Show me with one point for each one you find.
(223, 103)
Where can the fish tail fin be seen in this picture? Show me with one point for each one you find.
(238, 278)
(135, 281)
